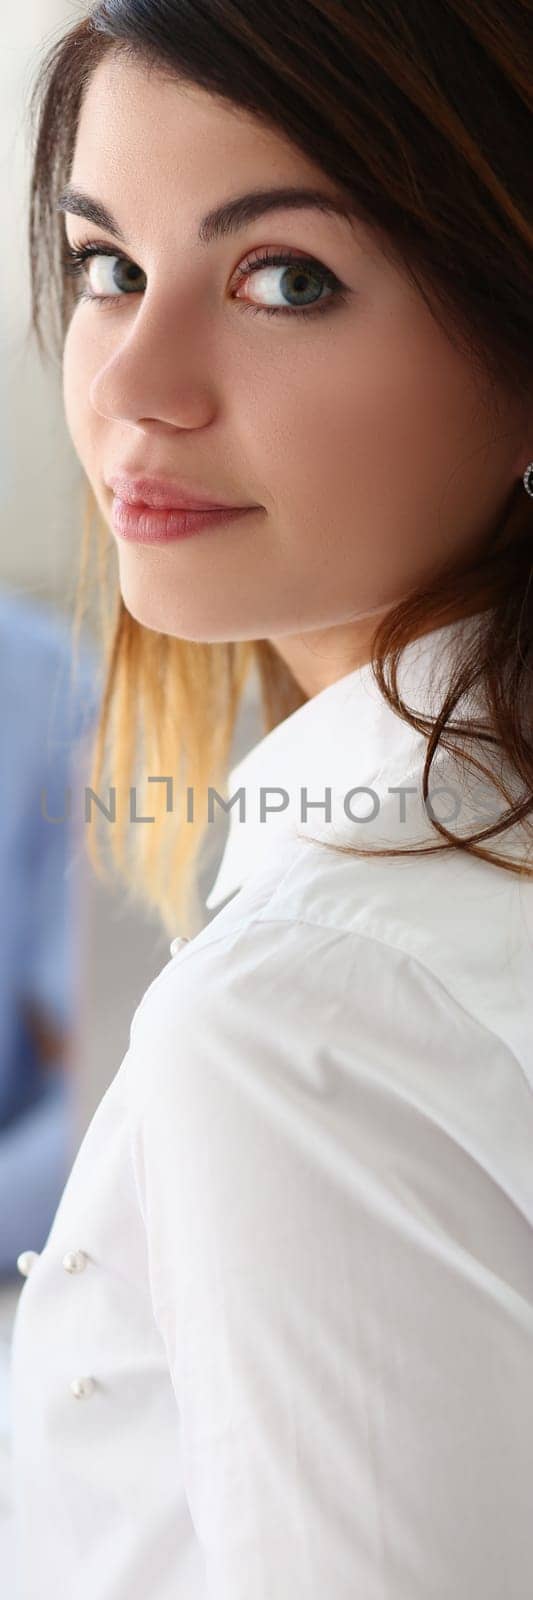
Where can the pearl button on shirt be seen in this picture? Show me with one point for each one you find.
(26, 1261)
(292, 1267)
(75, 1261)
(80, 1387)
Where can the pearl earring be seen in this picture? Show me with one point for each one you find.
(528, 479)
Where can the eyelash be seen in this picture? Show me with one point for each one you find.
(76, 256)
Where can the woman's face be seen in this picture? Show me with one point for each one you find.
(357, 433)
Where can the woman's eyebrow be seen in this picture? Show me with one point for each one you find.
(224, 219)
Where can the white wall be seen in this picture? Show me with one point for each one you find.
(39, 475)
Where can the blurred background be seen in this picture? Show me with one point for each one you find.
(75, 960)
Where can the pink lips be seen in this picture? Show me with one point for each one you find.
(164, 495)
(152, 525)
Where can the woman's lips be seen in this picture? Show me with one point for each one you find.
(146, 525)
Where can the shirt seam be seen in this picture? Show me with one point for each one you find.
(256, 919)
(391, 944)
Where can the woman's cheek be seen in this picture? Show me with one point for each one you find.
(81, 420)
(72, 386)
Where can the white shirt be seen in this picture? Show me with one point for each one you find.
(304, 1209)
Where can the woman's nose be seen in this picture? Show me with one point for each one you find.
(160, 371)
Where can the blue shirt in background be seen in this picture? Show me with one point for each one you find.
(43, 724)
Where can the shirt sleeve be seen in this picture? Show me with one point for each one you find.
(332, 1160)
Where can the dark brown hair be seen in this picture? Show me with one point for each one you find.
(422, 113)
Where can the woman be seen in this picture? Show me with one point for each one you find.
(279, 1341)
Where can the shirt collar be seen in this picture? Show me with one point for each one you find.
(342, 738)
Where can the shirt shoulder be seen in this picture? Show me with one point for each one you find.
(324, 940)
(307, 1042)
(268, 1018)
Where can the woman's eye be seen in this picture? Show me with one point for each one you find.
(106, 274)
(294, 284)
